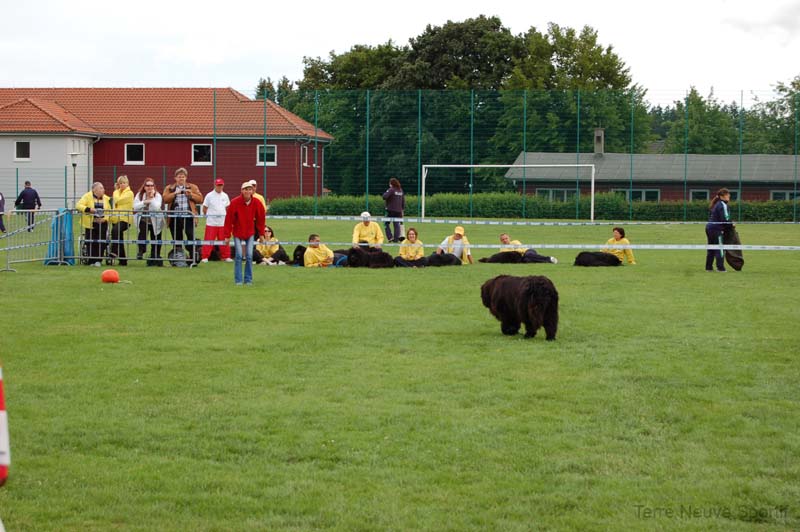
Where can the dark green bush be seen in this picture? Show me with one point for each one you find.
(511, 205)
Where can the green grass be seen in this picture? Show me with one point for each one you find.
(388, 399)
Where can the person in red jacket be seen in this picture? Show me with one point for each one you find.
(246, 216)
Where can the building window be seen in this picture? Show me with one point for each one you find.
(134, 154)
(556, 194)
(639, 194)
(698, 195)
(201, 155)
(266, 155)
(783, 195)
(22, 150)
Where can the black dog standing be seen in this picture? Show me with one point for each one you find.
(532, 300)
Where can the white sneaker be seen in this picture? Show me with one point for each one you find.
(281, 263)
(204, 261)
(229, 259)
(554, 260)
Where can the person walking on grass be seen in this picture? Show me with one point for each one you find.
(28, 200)
(245, 220)
(719, 221)
(395, 206)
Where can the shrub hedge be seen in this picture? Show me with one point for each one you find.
(510, 205)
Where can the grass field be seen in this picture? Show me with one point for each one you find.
(354, 399)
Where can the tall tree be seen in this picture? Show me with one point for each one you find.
(474, 54)
(265, 87)
(703, 126)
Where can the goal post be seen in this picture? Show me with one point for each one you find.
(426, 167)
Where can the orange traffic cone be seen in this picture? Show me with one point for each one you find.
(5, 449)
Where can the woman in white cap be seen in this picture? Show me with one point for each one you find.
(367, 233)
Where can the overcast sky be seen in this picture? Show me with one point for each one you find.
(735, 46)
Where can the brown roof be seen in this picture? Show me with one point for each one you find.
(147, 112)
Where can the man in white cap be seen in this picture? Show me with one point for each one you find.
(215, 205)
(258, 196)
(367, 233)
(244, 220)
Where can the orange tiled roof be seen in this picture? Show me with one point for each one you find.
(147, 112)
(37, 116)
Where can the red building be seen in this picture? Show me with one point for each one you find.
(149, 132)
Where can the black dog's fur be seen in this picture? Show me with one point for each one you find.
(531, 300)
(298, 258)
(596, 258)
(360, 258)
(504, 257)
(443, 259)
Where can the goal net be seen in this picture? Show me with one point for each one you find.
(536, 173)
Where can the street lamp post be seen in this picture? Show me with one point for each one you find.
(74, 157)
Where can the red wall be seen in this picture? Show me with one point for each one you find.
(235, 163)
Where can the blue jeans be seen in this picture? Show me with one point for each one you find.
(237, 262)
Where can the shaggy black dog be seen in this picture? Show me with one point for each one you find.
(443, 259)
(298, 256)
(360, 258)
(504, 257)
(531, 300)
(596, 258)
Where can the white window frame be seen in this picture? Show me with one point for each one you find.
(134, 163)
(203, 163)
(22, 159)
(703, 190)
(259, 162)
(642, 191)
(304, 155)
(563, 194)
(786, 195)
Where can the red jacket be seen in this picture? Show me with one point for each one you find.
(242, 220)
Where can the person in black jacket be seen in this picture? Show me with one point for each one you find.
(719, 221)
(395, 205)
(28, 200)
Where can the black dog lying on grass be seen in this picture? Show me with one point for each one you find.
(596, 258)
(531, 300)
(359, 257)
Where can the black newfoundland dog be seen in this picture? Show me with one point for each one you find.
(531, 300)
(361, 258)
(504, 257)
(596, 258)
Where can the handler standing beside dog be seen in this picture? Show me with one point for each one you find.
(245, 218)
(719, 221)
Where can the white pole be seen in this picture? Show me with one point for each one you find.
(422, 199)
(592, 209)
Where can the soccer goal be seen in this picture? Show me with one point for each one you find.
(426, 167)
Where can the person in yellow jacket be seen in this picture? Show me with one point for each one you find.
(317, 255)
(454, 246)
(94, 205)
(620, 240)
(412, 252)
(121, 217)
(271, 253)
(367, 233)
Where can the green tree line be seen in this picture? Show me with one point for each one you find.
(471, 92)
